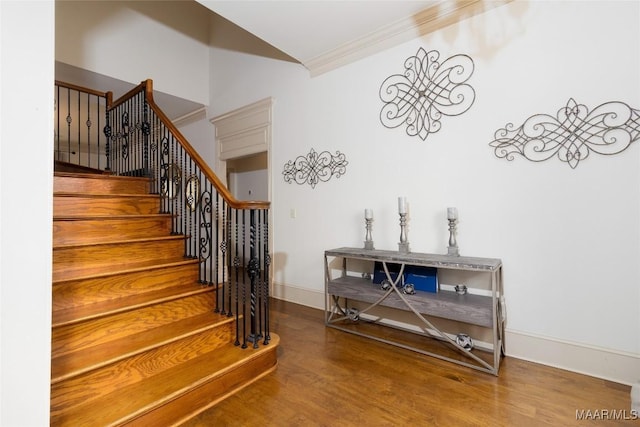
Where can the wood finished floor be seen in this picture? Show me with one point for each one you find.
(326, 377)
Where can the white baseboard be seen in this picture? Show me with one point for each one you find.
(612, 365)
(303, 296)
(597, 362)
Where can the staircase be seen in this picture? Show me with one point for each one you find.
(135, 339)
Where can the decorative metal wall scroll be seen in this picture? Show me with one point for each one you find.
(314, 167)
(575, 132)
(427, 90)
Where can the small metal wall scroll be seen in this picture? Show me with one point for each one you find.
(572, 135)
(314, 167)
(427, 90)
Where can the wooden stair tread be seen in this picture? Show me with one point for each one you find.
(105, 195)
(100, 176)
(98, 229)
(133, 217)
(87, 273)
(69, 203)
(76, 362)
(100, 309)
(65, 182)
(122, 241)
(116, 252)
(135, 400)
(60, 166)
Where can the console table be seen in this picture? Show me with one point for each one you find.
(354, 283)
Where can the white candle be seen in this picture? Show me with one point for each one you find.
(368, 214)
(402, 205)
(452, 213)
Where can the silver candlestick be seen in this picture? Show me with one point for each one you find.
(452, 249)
(368, 241)
(403, 246)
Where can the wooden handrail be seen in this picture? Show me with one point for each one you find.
(107, 95)
(147, 86)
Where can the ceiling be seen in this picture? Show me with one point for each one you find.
(325, 34)
(319, 34)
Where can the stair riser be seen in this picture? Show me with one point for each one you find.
(207, 395)
(110, 254)
(70, 338)
(98, 205)
(76, 293)
(78, 231)
(102, 381)
(100, 184)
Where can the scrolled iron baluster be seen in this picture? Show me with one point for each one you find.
(125, 135)
(253, 271)
(205, 251)
(267, 264)
(107, 143)
(146, 131)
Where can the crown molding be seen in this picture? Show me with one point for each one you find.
(429, 20)
(191, 117)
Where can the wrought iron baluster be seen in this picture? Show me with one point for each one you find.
(216, 267)
(79, 138)
(253, 275)
(107, 142)
(244, 284)
(237, 288)
(259, 279)
(98, 115)
(88, 124)
(68, 120)
(146, 130)
(56, 134)
(266, 267)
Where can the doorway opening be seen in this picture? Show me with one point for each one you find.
(248, 177)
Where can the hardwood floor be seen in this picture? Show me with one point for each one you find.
(327, 377)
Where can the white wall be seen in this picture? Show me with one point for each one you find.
(249, 185)
(26, 113)
(200, 134)
(569, 238)
(166, 41)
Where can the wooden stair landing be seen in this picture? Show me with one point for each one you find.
(135, 337)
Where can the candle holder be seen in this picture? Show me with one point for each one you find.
(403, 246)
(452, 249)
(368, 241)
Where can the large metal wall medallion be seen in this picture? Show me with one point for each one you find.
(571, 135)
(314, 168)
(427, 90)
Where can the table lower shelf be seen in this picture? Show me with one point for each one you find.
(420, 343)
(472, 309)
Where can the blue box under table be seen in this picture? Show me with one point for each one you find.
(423, 278)
(379, 274)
